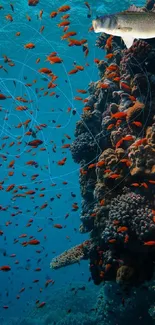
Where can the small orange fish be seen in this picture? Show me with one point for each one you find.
(97, 61)
(102, 202)
(61, 162)
(69, 34)
(139, 124)
(79, 67)
(78, 98)
(139, 142)
(103, 85)
(64, 8)
(114, 176)
(151, 181)
(135, 184)
(144, 185)
(64, 17)
(112, 67)
(53, 14)
(124, 86)
(91, 166)
(108, 44)
(109, 56)
(100, 163)
(5, 268)
(126, 161)
(112, 241)
(122, 229)
(149, 243)
(9, 17)
(29, 46)
(110, 126)
(119, 115)
(64, 23)
(116, 79)
(73, 71)
(82, 91)
(58, 226)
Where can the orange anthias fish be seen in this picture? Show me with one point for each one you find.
(122, 229)
(149, 243)
(58, 226)
(5, 268)
(119, 115)
(31, 242)
(69, 34)
(54, 59)
(64, 23)
(29, 46)
(109, 56)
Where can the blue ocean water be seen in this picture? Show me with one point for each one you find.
(49, 120)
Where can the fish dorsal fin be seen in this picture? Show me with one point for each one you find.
(133, 8)
(128, 40)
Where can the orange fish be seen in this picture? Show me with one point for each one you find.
(110, 126)
(53, 14)
(126, 161)
(69, 34)
(149, 243)
(109, 56)
(82, 91)
(64, 17)
(58, 226)
(54, 59)
(9, 17)
(112, 241)
(100, 163)
(103, 85)
(108, 44)
(62, 162)
(135, 184)
(5, 268)
(112, 67)
(78, 98)
(10, 187)
(79, 67)
(151, 181)
(122, 229)
(97, 61)
(139, 142)
(139, 124)
(114, 176)
(64, 8)
(29, 46)
(73, 71)
(144, 184)
(91, 166)
(67, 145)
(124, 86)
(102, 202)
(64, 23)
(119, 115)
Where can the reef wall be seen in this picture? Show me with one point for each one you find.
(115, 148)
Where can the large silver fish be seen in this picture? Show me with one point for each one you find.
(130, 24)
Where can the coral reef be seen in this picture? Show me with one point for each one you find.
(115, 147)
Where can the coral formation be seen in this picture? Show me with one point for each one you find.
(115, 147)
